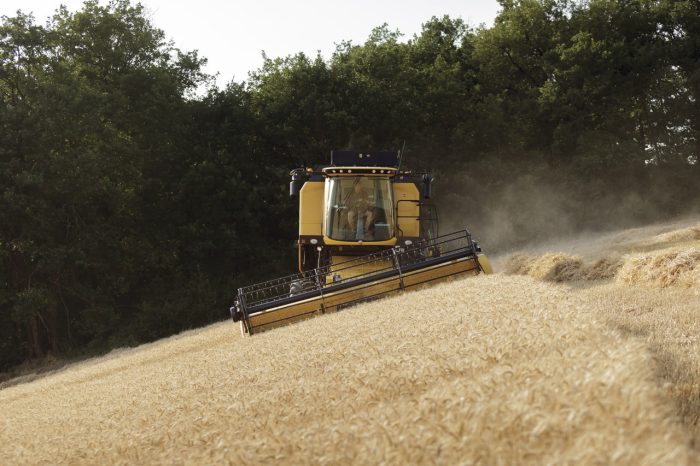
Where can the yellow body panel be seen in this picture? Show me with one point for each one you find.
(406, 198)
(339, 265)
(283, 316)
(485, 264)
(311, 208)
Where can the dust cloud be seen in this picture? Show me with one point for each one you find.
(536, 212)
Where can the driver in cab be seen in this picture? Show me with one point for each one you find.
(359, 206)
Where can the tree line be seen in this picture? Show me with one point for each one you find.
(136, 195)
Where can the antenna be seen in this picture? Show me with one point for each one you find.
(403, 148)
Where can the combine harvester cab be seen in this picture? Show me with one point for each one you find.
(366, 230)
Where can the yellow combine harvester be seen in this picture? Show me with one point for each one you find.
(366, 229)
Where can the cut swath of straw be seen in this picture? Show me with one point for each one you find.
(677, 267)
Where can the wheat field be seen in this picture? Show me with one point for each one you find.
(567, 357)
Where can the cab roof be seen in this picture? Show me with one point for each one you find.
(350, 158)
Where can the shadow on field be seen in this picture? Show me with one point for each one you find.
(643, 282)
(678, 377)
(666, 321)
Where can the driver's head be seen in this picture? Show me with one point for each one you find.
(358, 188)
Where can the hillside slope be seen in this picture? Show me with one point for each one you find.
(494, 369)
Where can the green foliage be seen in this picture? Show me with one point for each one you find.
(132, 207)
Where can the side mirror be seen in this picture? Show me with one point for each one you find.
(426, 186)
(296, 183)
(295, 187)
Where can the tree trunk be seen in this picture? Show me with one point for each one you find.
(641, 120)
(697, 123)
(52, 328)
(33, 337)
(67, 315)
